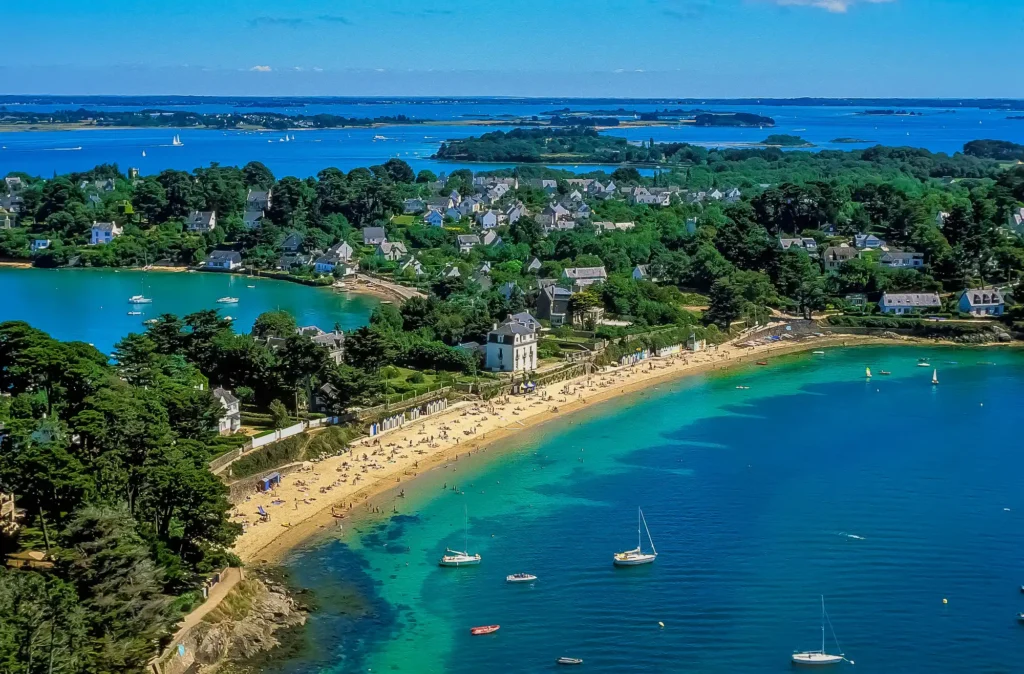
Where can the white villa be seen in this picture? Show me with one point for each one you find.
(232, 418)
(511, 347)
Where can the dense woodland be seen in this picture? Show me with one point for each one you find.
(108, 457)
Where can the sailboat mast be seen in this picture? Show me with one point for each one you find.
(639, 514)
(822, 623)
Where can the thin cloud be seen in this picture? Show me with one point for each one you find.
(834, 6)
(333, 18)
(260, 69)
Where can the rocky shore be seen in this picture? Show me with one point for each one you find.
(253, 620)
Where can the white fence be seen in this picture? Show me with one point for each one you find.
(282, 433)
(225, 460)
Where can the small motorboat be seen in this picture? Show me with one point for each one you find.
(134, 313)
(884, 372)
(139, 299)
(569, 661)
(742, 388)
(923, 363)
(762, 362)
(818, 353)
(228, 300)
(520, 578)
(484, 629)
(1022, 589)
(1020, 617)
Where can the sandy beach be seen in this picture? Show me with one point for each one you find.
(305, 502)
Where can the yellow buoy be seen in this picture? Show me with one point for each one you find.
(945, 601)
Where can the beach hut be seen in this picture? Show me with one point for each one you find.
(268, 482)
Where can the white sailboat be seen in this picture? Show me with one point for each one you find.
(867, 372)
(143, 153)
(935, 377)
(460, 557)
(176, 142)
(637, 556)
(819, 658)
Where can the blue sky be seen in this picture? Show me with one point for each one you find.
(710, 48)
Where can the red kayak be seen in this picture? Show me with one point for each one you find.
(486, 629)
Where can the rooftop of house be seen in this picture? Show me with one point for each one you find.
(227, 396)
(373, 233)
(218, 255)
(983, 296)
(911, 300)
(584, 272)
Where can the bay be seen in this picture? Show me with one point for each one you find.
(885, 496)
(43, 153)
(91, 305)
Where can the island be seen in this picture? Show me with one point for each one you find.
(733, 119)
(785, 140)
(890, 113)
(850, 141)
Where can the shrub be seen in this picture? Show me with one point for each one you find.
(416, 378)
(278, 414)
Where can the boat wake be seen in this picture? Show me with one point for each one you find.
(853, 536)
(62, 149)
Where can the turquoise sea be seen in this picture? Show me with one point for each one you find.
(91, 305)
(885, 496)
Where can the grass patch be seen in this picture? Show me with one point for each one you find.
(236, 605)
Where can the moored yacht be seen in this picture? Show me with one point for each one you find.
(458, 558)
(139, 299)
(820, 658)
(637, 556)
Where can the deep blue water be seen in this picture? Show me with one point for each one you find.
(753, 498)
(42, 153)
